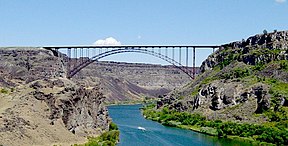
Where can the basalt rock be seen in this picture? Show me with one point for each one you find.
(26, 65)
(81, 110)
(275, 44)
(263, 99)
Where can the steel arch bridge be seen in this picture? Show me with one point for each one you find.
(77, 59)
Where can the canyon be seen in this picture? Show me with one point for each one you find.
(40, 106)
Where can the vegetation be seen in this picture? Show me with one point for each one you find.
(284, 65)
(4, 91)
(113, 126)
(237, 73)
(264, 133)
(109, 138)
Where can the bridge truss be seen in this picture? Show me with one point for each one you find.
(78, 57)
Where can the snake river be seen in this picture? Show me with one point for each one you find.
(135, 130)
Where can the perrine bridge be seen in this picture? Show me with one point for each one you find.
(182, 57)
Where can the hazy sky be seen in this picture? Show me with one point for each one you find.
(141, 22)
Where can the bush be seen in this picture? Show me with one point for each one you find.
(112, 136)
(237, 73)
(284, 65)
(109, 138)
(259, 66)
(4, 91)
(113, 126)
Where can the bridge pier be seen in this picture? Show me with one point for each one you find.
(193, 63)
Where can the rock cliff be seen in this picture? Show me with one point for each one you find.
(239, 81)
(39, 106)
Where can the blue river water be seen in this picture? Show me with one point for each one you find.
(129, 119)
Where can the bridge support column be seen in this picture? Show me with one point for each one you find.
(187, 58)
(180, 55)
(194, 71)
(69, 62)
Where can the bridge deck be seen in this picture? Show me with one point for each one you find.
(136, 46)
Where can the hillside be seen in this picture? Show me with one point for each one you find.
(242, 82)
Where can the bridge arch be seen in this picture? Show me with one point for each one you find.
(95, 58)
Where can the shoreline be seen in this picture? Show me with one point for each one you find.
(202, 130)
(230, 137)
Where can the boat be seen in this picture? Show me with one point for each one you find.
(141, 128)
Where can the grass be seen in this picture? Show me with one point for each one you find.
(195, 91)
(277, 87)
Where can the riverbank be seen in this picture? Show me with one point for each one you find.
(109, 138)
(135, 102)
(254, 134)
(235, 138)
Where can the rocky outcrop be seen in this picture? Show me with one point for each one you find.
(81, 110)
(52, 111)
(274, 40)
(24, 65)
(274, 44)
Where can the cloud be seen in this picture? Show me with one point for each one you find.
(139, 37)
(280, 1)
(110, 41)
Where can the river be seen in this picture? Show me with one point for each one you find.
(129, 119)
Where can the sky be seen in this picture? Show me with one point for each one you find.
(138, 22)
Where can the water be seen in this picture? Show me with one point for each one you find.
(129, 119)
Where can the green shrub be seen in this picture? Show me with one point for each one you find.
(237, 73)
(109, 138)
(284, 65)
(4, 91)
(113, 126)
(259, 66)
(112, 136)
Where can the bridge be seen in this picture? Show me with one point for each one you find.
(78, 57)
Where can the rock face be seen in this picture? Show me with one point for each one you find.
(238, 80)
(24, 65)
(274, 40)
(40, 106)
(275, 46)
(81, 110)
